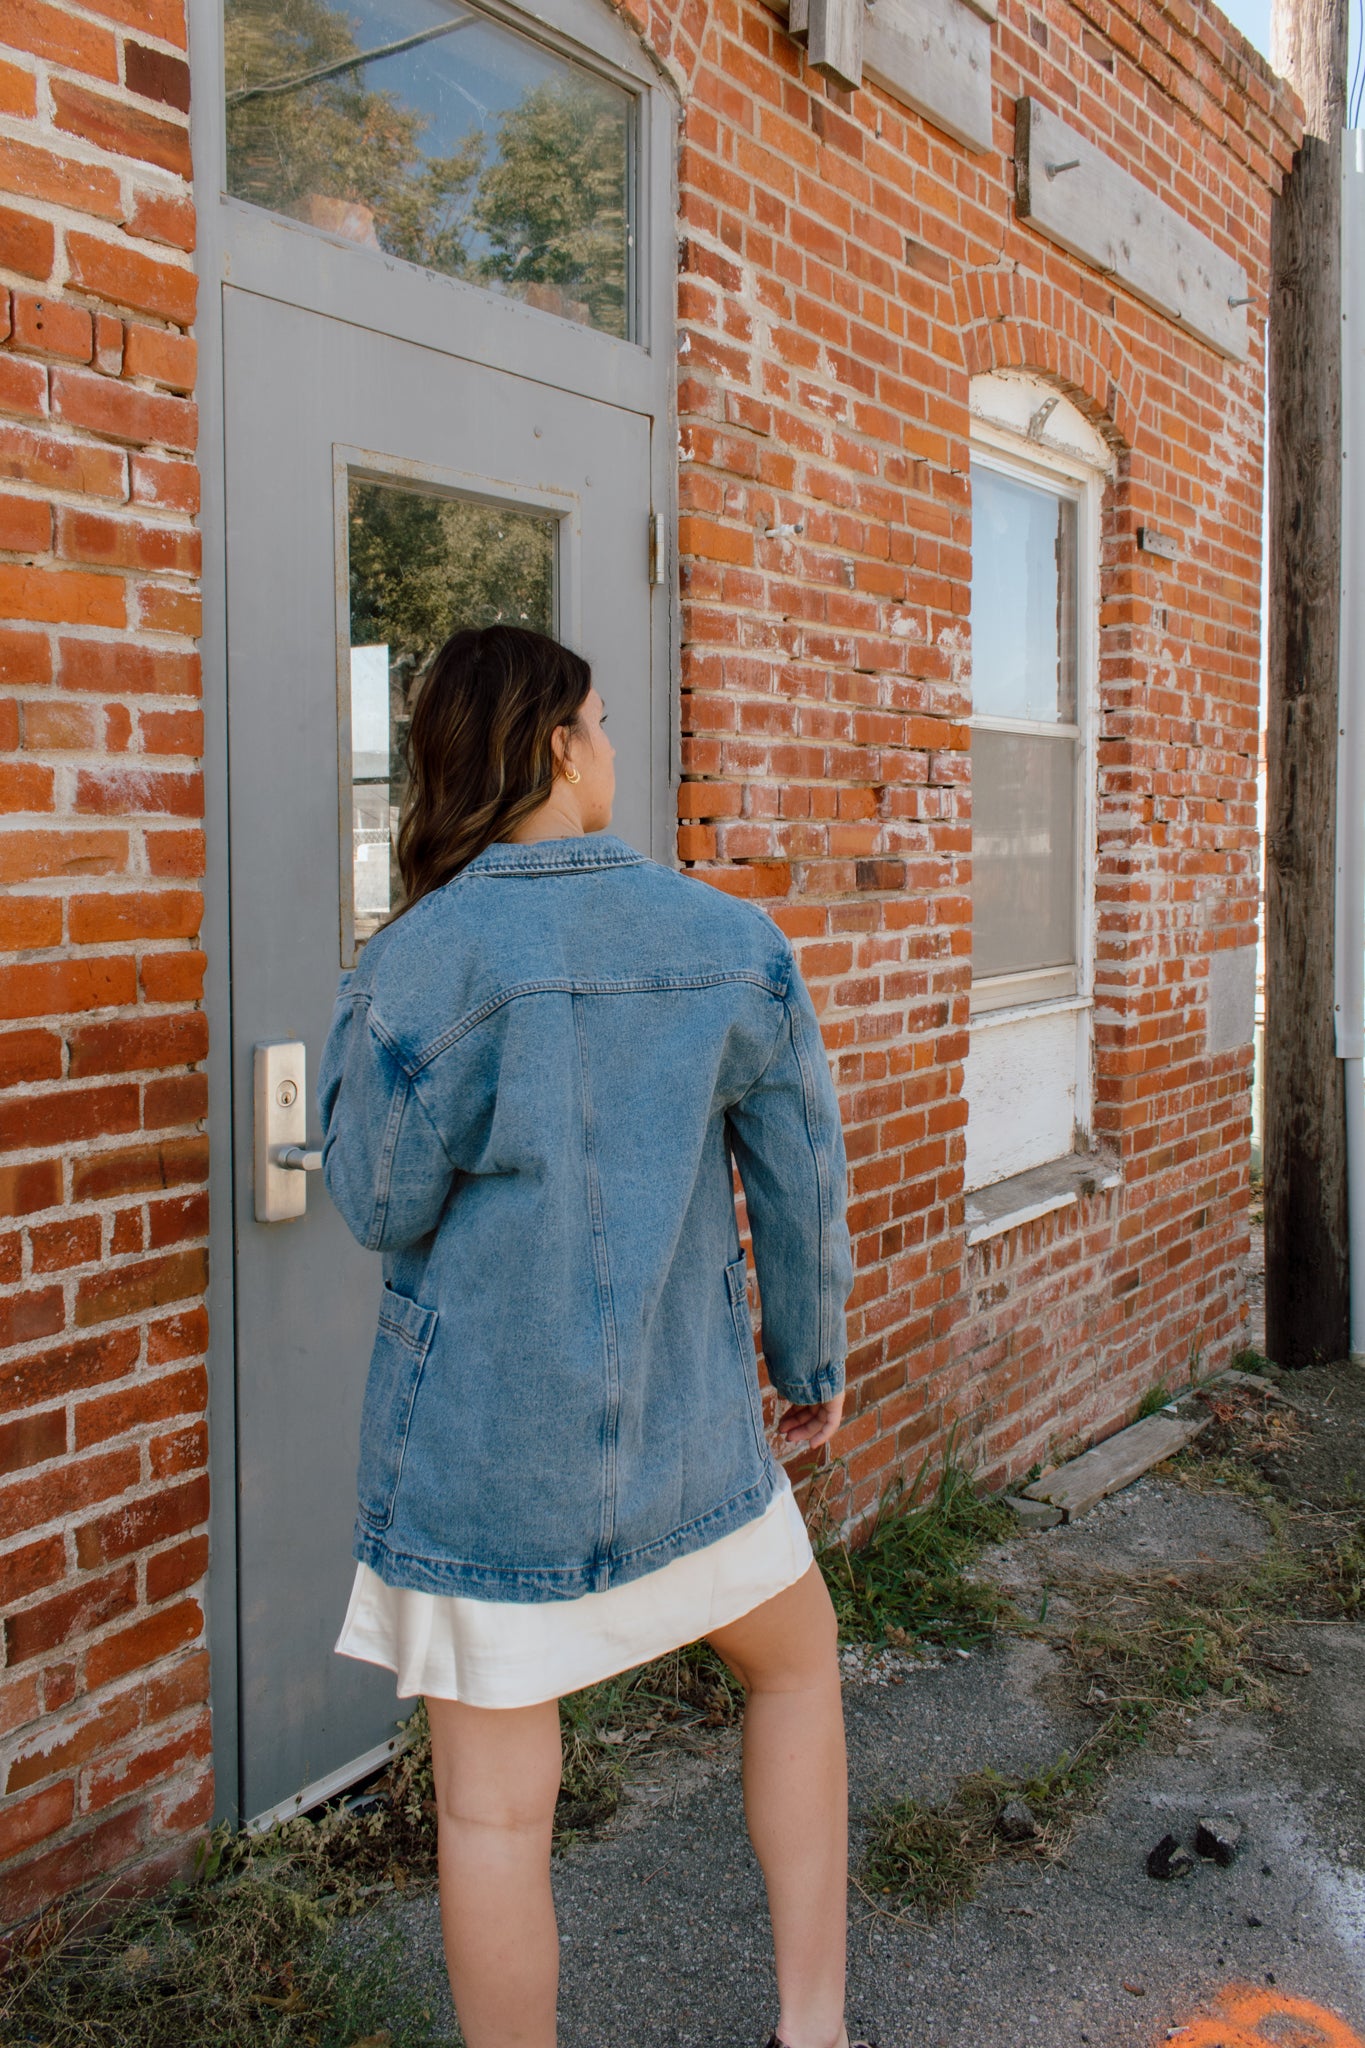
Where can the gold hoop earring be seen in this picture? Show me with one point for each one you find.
(571, 774)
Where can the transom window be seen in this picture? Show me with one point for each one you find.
(441, 135)
(1036, 474)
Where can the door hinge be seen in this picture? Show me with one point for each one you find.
(656, 548)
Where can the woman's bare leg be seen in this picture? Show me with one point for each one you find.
(497, 1775)
(796, 1798)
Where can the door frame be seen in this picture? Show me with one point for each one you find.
(260, 252)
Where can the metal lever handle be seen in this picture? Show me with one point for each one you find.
(301, 1160)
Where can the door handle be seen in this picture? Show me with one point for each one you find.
(282, 1156)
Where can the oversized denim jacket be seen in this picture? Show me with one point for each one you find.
(532, 1092)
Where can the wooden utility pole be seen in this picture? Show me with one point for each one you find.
(1307, 1290)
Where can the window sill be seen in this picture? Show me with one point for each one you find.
(1058, 1184)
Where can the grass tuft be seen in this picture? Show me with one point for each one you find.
(906, 1580)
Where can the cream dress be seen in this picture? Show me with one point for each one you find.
(508, 1653)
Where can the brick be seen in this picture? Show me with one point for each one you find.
(143, 1403)
(84, 399)
(161, 356)
(185, 1450)
(163, 609)
(30, 1569)
(173, 1222)
(18, 92)
(170, 485)
(66, 1748)
(156, 75)
(136, 914)
(56, 1247)
(28, 1188)
(136, 1768)
(49, 725)
(29, 456)
(25, 526)
(124, 668)
(24, 1317)
(164, 19)
(137, 1044)
(68, 1116)
(144, 1644)
(34, 173)
(25, 786)
(27, 855)
(142, 1524)
(122, 276)
(96, 540)
(51, 1375)
(62, 596)
(51, 327)
(108, 356)
(179, 1336)
(132, 1290)
(27, 1056)
(27, 1886)
(173, 977)
(166, 1163)
(145, 791)
(32, 1440)
(24, 657)
(181, 855)
(176, 1099)
(54, 987)
(185, 1683)
(27, 243)
(165, 217)
(77, 1611)
(32, 1820)
(62, 37)
(23, 386)
(66, 1489)
(120, 129)
(176, 1569)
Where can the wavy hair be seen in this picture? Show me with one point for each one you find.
(479, 750)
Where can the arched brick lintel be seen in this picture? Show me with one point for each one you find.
(1013, 322)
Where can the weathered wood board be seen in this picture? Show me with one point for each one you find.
(1115, 1463)
(834, 40)
(1081, 199)
(931, 55)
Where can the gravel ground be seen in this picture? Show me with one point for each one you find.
(665, 1933)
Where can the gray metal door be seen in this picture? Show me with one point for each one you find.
(371, 484)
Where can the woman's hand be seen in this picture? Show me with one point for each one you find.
(808, 1424)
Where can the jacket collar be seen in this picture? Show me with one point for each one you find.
(554, 856)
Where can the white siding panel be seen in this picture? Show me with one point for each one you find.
(1020, 1084)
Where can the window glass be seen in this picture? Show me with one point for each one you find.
(1023, 852)
(421, 566)
(1023, 600)
(430, 131)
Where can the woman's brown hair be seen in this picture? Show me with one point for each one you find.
(479, 749)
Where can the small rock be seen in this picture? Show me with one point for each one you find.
(1033, 1514)
(1219, 1837)
(1253, 1920)
(1169, 1860)
(1016, 1822)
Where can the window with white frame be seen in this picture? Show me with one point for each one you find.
(1038, 469)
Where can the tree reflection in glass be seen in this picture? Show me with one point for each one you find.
(420, 567)
(438, 135)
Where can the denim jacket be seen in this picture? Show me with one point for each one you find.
(532, 1093)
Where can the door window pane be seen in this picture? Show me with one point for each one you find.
(1023, 600)
(420, 566)
(1023, 852)
(430, 131)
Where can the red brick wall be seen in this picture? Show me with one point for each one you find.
(844, 269)
(103, 1491)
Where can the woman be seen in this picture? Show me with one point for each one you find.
(534, 1088)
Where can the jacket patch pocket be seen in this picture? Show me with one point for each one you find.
(744, 1337)
(400, 1353)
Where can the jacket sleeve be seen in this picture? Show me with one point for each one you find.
(789, 1146)
(383, 1161)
